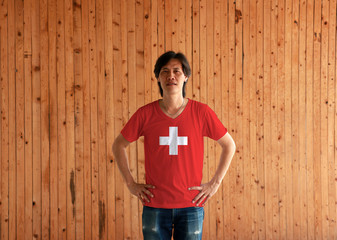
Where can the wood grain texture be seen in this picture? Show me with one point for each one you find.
(73, 72)
(61, 122)
(52, 25)
(5, 117)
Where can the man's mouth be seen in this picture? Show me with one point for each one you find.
(171, 84)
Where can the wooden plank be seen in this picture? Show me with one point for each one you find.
(232, 118)
(203, 47)
(101, 121)
(161, 27)
(287, 118)
(238, 104)
(267, 151)
(2, 106)
(133, 161)
(177, 21)
(333, 77)
(53, 122)
(181, 28)
(317, 121)
(86, 122)
(61, 122)
(274, 177)
(281, 118)
(335, 62)
(120, 188)
(196, 52)
(36, 85)
(172, 9)
(147, 16)
(261, 223)
(311, 134)
(239, 173)
(218, 110)
(186, 32)
(209, 151)
(19, 171)
(238, 168)
(52, 25)
(78, 124)
(27, 48)
(6, 48)
(203, 98)
(125, 102)
(301, 118)
(235, 101)
(246, 154)
(295, 120)
(10, 215)
(109, 109)
(154, 48)
(140, 89)
(177, 25)
(45, 127)
(94, 121)
(252, 78)
(331, 121)
(168, 26)
(225, 107)
(70, 122)
(324, 118)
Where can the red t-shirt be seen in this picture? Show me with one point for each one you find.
(174, 150)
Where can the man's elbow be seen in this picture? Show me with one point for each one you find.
(114, 147)
(233, 147)
(118, 144)
(230, 145)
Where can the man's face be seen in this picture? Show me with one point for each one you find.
(172, 77)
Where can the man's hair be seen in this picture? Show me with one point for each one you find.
(164, 59)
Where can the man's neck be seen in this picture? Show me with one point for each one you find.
(173, 102)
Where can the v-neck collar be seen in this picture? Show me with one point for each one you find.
(161, 112)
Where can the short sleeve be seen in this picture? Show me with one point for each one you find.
(133, 128)
(213, 128)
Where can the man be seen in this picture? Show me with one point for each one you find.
(173, 129)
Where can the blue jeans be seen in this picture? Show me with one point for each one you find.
(185, 222)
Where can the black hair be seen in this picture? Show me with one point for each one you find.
(164, 59)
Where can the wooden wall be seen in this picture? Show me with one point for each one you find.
(73, 72)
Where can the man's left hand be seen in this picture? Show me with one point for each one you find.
(207, 190)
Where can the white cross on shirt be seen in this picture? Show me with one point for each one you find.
(173, 141)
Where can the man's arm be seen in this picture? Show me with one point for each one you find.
(207, 190)
(119, 151)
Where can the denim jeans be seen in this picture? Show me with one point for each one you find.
(185, 222)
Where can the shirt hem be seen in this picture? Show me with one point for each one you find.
(183, 205)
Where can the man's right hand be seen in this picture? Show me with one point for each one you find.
(141, 191)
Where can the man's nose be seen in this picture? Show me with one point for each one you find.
(171, 75)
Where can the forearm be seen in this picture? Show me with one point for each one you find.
(139, 190)
(228, 150)
(207, 190)
(225, 161)
(122, 163)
